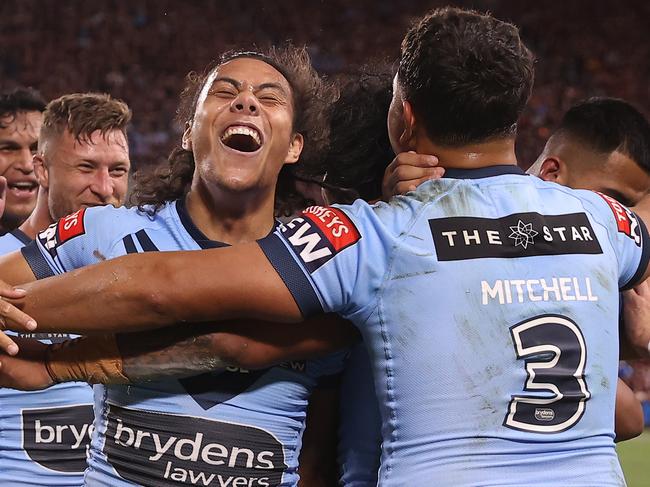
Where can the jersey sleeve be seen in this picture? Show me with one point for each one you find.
(75, 241)
(628, 235)
(330, 258)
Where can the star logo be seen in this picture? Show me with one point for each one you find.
(523, 234)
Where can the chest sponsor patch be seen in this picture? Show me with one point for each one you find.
(168, 450)
(319, 234)
(58, 438)
(512, 236)
(60, 232)
(626, 221)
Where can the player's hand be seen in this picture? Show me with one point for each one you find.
(636, 313)
(25, 371)
(407, 171)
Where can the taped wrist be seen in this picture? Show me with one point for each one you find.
(95, 359)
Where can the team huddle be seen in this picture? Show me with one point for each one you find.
(450, 321)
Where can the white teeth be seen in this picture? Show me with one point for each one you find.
(22, 185)
(241, 130)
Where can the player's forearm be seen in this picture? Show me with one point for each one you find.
(137, 292)
(192, 349)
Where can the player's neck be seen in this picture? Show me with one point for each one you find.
(40, 218)
(230, 218)
(472, 156)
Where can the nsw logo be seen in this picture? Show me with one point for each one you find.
(319, 234)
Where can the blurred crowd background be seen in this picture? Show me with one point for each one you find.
(140, 50)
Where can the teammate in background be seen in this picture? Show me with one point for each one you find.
(82, 161)
(21, 115)
(448, 318)
(603, 144)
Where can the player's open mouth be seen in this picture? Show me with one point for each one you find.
(22, 188)
(242, 138)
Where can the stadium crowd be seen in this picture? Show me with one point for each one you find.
(140, 50)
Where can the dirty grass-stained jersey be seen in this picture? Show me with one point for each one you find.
(237, 427)
(44, 435)
(489, 303)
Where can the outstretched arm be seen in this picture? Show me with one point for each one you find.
(178, 351)
(157, 289)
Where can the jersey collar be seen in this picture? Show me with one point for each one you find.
(199, 237)
(484, 172)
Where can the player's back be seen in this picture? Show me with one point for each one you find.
(497, 326)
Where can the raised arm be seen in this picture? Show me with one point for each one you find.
(157, 289)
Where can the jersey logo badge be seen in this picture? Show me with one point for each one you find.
(319, 234)
(65, 229)
(626, 221)
(523, 234)
(513, 236)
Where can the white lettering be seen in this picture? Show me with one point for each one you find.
(493, 237)
(474, 236)
(450, 236)
(565, 289)
(310, 242)
(492, 292)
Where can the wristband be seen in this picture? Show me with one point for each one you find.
(94, 359)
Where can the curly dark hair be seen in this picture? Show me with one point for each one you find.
(312, 95)
(467, 75)
(19, 100)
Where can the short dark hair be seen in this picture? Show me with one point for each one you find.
(311, 97)
(81, 114)
(359, 148)
(606, 125)
(467, 75)
(19, 100)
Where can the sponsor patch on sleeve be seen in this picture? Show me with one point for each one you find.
(319, 234)
(60, 232)
(626, 220)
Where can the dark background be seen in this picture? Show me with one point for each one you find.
(140, 50)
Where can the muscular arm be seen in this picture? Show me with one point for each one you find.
(249, 345)
(157, 289)
(629, 413)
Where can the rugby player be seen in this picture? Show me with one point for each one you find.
(82, 161)
(246, 119)
(21, 115)
(465, 290)
(601, 144)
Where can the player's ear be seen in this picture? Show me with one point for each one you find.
(408, 137)
(186, 141)
(552, 169)
(40, 171)
(295, 148)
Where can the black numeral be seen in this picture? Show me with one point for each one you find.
(553, 348)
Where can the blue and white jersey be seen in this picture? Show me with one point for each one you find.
(488, 301)
(359, 446)
(44, 435)
(237, 427)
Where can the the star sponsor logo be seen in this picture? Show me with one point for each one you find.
(523, 234)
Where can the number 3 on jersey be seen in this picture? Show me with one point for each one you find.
(555, 356)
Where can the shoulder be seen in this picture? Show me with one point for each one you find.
(9, 243)
(102, 224)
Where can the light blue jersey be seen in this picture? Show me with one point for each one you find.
(235, 428)
(360, 423)
(489, 304)
(44, 435)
